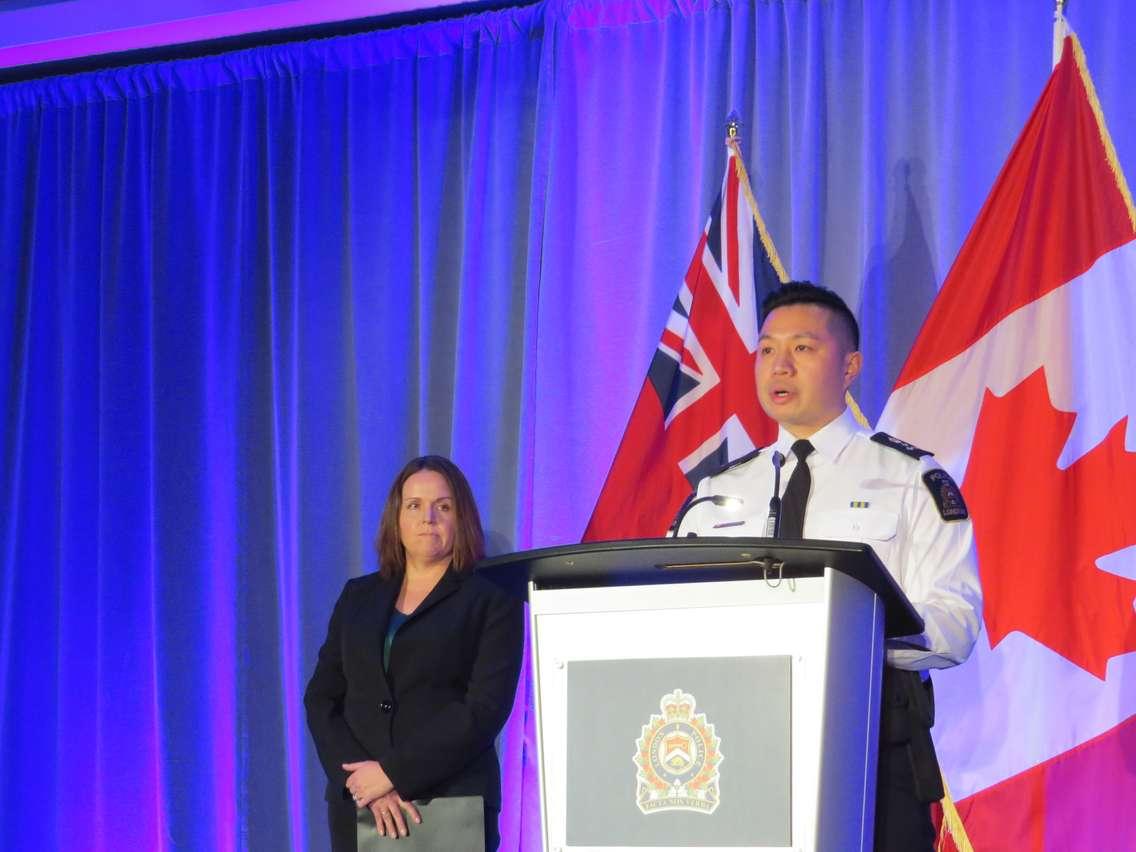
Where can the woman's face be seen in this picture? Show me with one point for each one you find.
(427, 519)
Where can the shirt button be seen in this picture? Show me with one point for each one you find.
(386, 706)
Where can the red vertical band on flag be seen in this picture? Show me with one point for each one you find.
(731, 233)
(1038, 229)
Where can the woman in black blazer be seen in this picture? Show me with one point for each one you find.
(419, 669)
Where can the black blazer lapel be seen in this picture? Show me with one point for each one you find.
(373, 618)
(447, 585)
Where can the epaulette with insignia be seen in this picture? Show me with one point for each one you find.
(946, 495)
(896, 444)
(741, 460)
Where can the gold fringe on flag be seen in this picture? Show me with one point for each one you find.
(951, 826)
(1102, 128)
(763, 232)
(850, 401)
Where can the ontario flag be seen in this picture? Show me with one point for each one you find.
(698, 407)
(1022, 382)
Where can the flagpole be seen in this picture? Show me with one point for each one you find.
(1060, 30)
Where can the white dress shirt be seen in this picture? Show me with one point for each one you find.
(865, 491)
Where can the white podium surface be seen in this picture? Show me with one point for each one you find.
(795, 659)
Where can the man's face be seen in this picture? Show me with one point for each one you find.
(804, 365)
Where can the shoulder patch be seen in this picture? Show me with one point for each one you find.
(741, 460)
(946, 495)
(896, 444)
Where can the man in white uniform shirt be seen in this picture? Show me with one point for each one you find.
(859, 487)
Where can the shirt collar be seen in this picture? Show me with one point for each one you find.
(828, 441)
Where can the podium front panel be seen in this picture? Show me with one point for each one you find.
(641, 727)
(691, 715)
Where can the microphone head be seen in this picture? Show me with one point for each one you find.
(728, 502)
(778, 458)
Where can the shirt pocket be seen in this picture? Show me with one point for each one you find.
(867, 525)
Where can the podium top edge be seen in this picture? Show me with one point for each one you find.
(650, 561)
(725, 546)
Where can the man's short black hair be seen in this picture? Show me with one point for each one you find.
(808, 293)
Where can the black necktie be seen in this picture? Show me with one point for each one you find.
(796, 494)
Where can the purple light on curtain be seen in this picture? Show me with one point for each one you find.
(286, 430)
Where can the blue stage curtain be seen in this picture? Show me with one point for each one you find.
(238, 292)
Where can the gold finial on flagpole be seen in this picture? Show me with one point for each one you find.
(733, 128)
(733, 142)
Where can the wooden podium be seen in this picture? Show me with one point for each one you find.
(707, 693)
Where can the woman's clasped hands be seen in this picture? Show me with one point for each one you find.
(371, 788)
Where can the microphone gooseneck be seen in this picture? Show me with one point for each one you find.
(692, 501)
(773, 521)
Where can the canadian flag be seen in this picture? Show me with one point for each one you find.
(1022, 382)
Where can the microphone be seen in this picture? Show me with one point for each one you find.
(773, 522)
(692, 501)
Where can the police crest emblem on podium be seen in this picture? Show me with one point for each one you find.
(677, 755)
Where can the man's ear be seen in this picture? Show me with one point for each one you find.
(853, 361)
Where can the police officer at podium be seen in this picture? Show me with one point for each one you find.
(841, 482)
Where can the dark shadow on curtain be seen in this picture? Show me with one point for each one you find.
(899, 286)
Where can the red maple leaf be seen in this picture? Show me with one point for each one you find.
(1040, 530)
